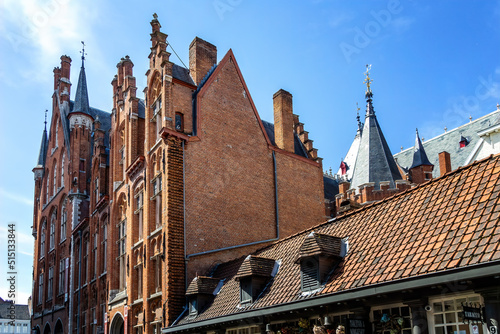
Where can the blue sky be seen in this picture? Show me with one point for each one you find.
(434, 64)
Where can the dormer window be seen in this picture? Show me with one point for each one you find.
(253, 275)
(201, 292)
(463, 141)
(318, 257)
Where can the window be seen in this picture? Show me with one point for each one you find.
(25, 328)
(85, 260)
(82, 165)
(96, 190)
(139, 281)
(309, 274)
(447, 315)
(64, 218)
(52, 236)
(93, 321)
(62, 277)
(83, 321)
(122, 245)
(193, 308)
(104, 246)
(42, 240)
(157, 117)
(139, 213)
(94, 257)
(47, 187)
(40, 289)
(246, 290)
(54, 186)
(157, 266)
(50, 283)
(392, 320)
(179, 122)
(62, 169)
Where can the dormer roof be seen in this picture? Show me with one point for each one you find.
(320, 244)
(202, 285)
(255, 266)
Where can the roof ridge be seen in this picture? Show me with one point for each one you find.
(418, 186)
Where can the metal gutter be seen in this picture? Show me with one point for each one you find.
(459, 274)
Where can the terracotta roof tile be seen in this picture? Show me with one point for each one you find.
(447, 223)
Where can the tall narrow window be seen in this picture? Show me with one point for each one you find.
(139, 213)
(57, 133)
(54, 186)
(96, 190)
(82, 165)
(85, 261)
(62, 277)
(64, 218)
(157, 278)
(50, 283)
(52, 236)
(139, 281)
(179, 122)
(40, 289)
(42, 240)
(158, 211)
(122, 243)
(94, 257)
(62, 169)
(47, 186)
(104, 247)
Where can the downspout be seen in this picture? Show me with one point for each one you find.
(276, 203)
(184, 212)
(79, 283)
(70, 287)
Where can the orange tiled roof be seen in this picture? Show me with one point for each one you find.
(448, 223)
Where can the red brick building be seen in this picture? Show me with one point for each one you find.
(131, 205)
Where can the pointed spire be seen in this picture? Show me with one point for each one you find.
(82, 96)
(374, 161)
(40, 163)
(419, 155)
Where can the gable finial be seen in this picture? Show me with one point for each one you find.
(46, 111)
(357, 115)
(83, 53)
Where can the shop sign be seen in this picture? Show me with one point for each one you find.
(472, 313)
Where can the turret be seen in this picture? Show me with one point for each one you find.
(421, 168)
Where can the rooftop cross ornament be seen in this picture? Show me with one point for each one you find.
(83, 52)
(368, 81)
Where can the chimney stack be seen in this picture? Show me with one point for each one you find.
(64, 83)
(202, 56)
(283, 120)
(444, 163)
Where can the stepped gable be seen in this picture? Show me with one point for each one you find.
(447, 225)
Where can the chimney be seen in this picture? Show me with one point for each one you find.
(283, 120)
(57, 76)
(202, 56)
(64, 83)
(444, 163)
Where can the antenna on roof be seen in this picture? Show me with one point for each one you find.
(83, 52)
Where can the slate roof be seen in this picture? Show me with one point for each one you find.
(350, 158)
(449, 142)
(331, 187)
(438, 227)
(40, 163)
(374, 162)
(298, 146)
(419, 156)
(182, 74)
(82, 96)
(22, 312)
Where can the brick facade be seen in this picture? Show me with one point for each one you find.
(167, 186)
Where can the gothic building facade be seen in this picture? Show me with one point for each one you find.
(131, 204)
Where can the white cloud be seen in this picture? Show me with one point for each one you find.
(44, 30)
(16, 198)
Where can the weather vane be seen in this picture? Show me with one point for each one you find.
(83, 52)
(368, 81)
(46, 111)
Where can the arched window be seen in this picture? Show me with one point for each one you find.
(62, 169)
(57, 133)
(64, 219)
(52, 236)
(42, 239)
